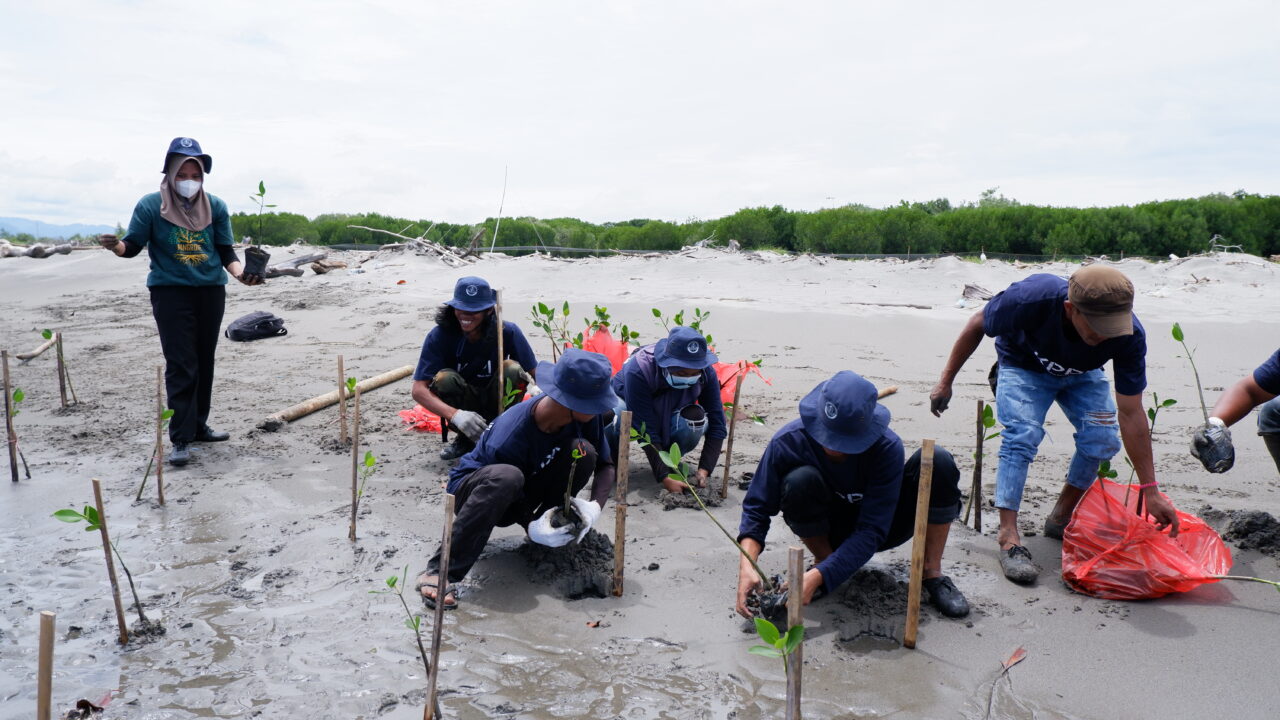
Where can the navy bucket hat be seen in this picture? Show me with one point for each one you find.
(683, 347)
(471, 294)
(842, 413)
(580, 381)
(189, 147)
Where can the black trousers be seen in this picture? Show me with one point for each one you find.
(499, 496)
(811, 509)
(189, 320)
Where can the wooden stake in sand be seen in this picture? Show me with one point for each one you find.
(62, 372)
(620, 501)
(10, 433)
(111, 566)
(733, 425)
(44, 683)
(355, 465)
(437, 626)
(975, 495)
(795, 617)
(342, 403)
(917, 545)
(320, 402)
(65, 375)
(500, 373)
(159, 433)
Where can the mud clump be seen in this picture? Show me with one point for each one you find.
(1254, 530)
(577, 570)
(879, 603)
(671, 501)
(771, 606)
(145, 631)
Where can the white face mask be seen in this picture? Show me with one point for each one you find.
(188, 188)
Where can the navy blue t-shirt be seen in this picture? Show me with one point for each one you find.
(1268, 374)
(652, 401)
(514, 439)
(448, 348)
(1032, 332)
(871, 479)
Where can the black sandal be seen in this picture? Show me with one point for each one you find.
(430, 602)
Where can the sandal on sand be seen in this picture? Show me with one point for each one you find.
(430, 602)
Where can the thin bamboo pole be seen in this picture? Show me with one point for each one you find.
(917, 545)
(620, 502)
(733, 425)
(62, 371)
(160, 432)
(795, 617)
(975, 496)
(355, 465)
(10, 433)
(44, 682)
(111, 565)
(442, 589)
(342, 402)
(500, 372)
(66, 372)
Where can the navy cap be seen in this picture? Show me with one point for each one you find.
(683, 347)
(189, 147)
(842, 413)
(580, 381)
(472, 294)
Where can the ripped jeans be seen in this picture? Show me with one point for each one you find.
(1023, 398)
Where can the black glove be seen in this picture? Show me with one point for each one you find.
(1211, 444)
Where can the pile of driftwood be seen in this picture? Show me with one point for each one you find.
(423, 246)
(319, 265)
(38, 250)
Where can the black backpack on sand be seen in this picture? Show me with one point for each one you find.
(255, 326)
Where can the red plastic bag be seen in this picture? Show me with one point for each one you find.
(1110, 552)
(728, 372)
(420, 418)
(602, 341)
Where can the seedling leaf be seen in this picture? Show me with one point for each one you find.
(369, 459)
(765, 651)
(794, 637)
(1177, 332)
(18, 395)
(68, 515)
(767, 631)
(168, 413)
(46, 333)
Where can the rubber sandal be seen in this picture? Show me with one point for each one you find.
(430, 602)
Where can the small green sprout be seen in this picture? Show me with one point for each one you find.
(367, 468)
(776, 644)
(351, 386)
(18, 397)
(165, 416)
(47, 334)
(93, 522)
(260, 198)
(412, 622)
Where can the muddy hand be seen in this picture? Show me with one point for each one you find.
(1162, 512)
(939, 398)
(748, 582)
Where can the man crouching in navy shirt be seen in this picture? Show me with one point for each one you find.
(517, 473)
(838, 477)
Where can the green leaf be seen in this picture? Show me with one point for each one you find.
(391, 581)
(679, 318)
(18, 395)
(765, 651)
(767, 631)
(46, 333)
(794, 637)
(1151, 414)
(1168, 402)
(168, 413)
(565, 310)
(369, 459)
(91, 514)
(1177, 332)
(542, 308)
(262, 188)
(67, 515)
(656, 312)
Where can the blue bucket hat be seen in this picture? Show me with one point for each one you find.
(189, 147)
(683, 347)
(471, 294)
(842, 413)
(580, 381)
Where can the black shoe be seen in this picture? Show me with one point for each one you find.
(1018, 566)
(944, 595)
(180, 454)
(208, 434)
(456, 449)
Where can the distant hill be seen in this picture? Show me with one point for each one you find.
(17, 226)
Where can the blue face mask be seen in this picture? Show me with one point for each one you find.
(681, 383)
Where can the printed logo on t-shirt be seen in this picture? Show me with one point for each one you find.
(1056, 369)
(550, 456)
(189, 246)
(850, 497)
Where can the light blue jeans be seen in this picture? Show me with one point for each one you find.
(1023, 398)
(685, 431)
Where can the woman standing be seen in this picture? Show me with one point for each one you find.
(187, 233)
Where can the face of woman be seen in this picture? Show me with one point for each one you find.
(190, 170)
(469, 321)
(684, 372)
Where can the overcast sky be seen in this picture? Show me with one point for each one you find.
(609, 111)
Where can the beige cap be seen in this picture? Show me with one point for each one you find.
(1105, 297)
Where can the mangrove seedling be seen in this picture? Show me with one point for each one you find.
(1181, 338)
(260, 198)
(47, 334)
(567, 514)
(699, 318)
(93, 524)
(367, 468)
(17, 397)
(777, 645)
(155, 450)
(553, 322)
(413, 622)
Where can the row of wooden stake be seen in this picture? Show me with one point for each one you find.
(64, 384)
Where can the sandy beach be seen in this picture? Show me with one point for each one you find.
(267, 604)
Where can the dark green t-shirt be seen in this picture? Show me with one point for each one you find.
(180, 256)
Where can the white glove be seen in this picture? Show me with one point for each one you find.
(541, 532)
(533, 389)
(589, 511)
(470, 424)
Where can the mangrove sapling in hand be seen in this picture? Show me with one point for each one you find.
(260, 198)
(414, 622)
(93, 523)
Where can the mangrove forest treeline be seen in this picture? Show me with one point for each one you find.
(994, 224)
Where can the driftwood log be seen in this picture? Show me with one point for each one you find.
(321, 267)
(294, 266)
(420, 245)
(38, 250)
(38, 351)
(274, 422)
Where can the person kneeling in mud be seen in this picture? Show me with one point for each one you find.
(838, 476)
(518, 472)
(673, 393)
(455, 378)
(1211, 443)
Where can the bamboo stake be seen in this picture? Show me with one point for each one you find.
(795, 617)
(342, 403)
(733, 425)
(45, 674)
(917, 545)
(620, 501)
(975, 497)
(355, 465)
(159, 433)
(320, 402)
(62, 372)
(111, 565)
(66, 372)
(37, 352)
(500, 373)
(10, 433)
(437, 627)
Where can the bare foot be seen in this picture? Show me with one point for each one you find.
(428, 587)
